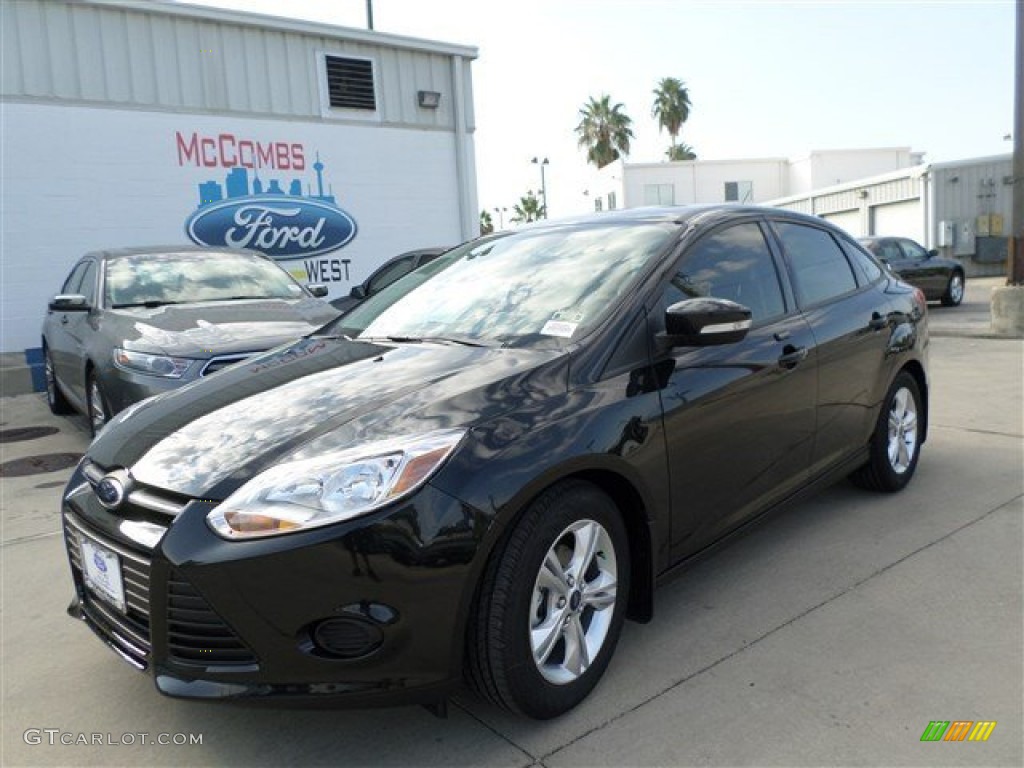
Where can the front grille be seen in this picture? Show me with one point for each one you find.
(215, 364)
(140, 499)
(196, 634)
(128, 632)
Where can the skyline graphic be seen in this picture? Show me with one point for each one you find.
(237, 184)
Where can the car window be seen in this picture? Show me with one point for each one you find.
(866, 268)
(88, 285)
(733, 264)
(390, 273)
(74, 279)
(819, 268)
(913, 251)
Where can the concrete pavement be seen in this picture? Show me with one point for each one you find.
(831, 635)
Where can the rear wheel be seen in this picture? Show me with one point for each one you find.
(97, 408)
(954, 290)
(552, 604)
(896, 442)
(54, 397)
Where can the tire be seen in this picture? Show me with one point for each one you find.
(896, 442)
(954, 290)
(54, 397)
(538, 643)
(97, 408)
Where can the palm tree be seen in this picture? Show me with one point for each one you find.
(486, 223)
(671, 108)
(529, 208)
(681, 152)
(604, 130)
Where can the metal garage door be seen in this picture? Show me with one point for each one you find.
(848, 220)
(899, 220)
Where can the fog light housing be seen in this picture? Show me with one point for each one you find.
(346, 638)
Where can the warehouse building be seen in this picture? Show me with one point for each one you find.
(140, 123)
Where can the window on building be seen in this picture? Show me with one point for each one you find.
(739, 191)
(659, 194)
(820, 269)
(350, 83)
(612, 201)
(598, 204)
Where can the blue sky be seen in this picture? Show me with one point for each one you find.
(767, 79)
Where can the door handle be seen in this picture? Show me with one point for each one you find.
(877, 322)
(792, 356)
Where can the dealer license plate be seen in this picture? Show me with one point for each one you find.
(102, 572)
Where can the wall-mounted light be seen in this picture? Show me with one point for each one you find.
(862, 193)
(428, 99)
(954, 179)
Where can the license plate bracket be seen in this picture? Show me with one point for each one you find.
(101, 570)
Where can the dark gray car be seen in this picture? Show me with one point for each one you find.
(131, 323)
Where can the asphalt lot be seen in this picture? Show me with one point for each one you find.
(831, 635)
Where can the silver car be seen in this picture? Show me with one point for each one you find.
(131, 323)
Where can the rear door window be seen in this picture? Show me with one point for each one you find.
(819, 268)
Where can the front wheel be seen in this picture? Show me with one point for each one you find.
(954, 291)
(896, 443)
(54, 397)
(552, 604)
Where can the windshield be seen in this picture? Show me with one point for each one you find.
(179, 278)
(528, 287)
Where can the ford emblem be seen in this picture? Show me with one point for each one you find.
(101, 564)
(280, 226)
(110, 492)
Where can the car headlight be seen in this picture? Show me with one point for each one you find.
(154, 365)
(309, 493)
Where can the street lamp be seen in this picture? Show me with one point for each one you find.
(543, 183)
(501, 216)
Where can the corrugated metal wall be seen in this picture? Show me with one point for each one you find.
(124, 55)
(963, 192)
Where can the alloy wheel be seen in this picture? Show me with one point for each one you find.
(97, 412)
(573, 602)
(902, 430)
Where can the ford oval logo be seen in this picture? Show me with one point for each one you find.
(110, 492)
(100, 563)
(280, 226)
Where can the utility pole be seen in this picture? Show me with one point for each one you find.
(369, 14)
(1016, 271)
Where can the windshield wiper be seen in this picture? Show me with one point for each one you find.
(147, 304)
(460, 340)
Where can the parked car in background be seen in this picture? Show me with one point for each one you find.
(136, 322)
(940, 279)
(385, 275)
(485, 468)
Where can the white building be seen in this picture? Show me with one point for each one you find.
(751, 181)
(140, 123)
(962, 208)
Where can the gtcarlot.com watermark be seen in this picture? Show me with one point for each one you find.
(58, 737)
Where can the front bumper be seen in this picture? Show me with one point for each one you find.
(368, 612)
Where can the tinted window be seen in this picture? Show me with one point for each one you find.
(867, 270)
(74, 279)
(733, 264)
(390, 273)
(887, 250)
(913, 251)
(820, 270)
(88, 285)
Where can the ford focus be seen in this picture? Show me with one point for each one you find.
(483, 470)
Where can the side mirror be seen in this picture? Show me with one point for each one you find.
(358, 292)
(69, 302)
(933, 253)
(317, 289)
(706, 322)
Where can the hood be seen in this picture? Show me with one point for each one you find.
(214, 328)
(316, 395)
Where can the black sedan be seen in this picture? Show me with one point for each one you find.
(940, 279)
(387, 273)
(486, 468)
(135, 322)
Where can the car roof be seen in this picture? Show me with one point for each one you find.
(682, 215)
(165, 250)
